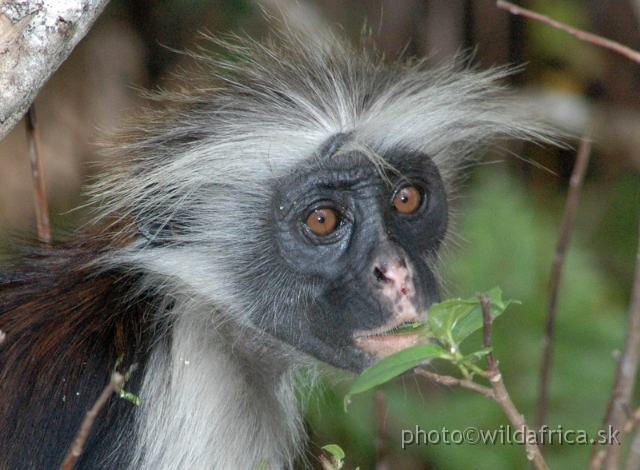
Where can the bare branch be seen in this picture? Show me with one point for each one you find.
(455, 382)
(497, 393)
(42, 209)
(76, 448)
(627, 364)
(580, 34)
(633, 421)
(502, 398)
(35, 38)
(577, 176)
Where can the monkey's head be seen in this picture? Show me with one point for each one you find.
(356, 235)
(303, 192)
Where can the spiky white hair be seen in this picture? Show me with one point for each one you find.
(204, 164)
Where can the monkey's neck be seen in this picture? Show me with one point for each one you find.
(207, 396)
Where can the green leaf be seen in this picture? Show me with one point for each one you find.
(476, 355)
(444, 316)
(119, 390)
(391, 366)
(411, 328)
(495, 297)
(452, 321)
(128, 396)
(474, 320)
(335, 450)
(471, 321)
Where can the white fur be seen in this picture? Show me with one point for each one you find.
(206, 405)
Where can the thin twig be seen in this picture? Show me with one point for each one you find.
(500, 394)
(577, 176)
(83, 433)
(625, 374)
(487, 323)
(382, 462)
(3, 336)
(42, 210)
(455, 382)
(580, 34)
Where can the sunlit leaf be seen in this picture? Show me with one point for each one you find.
(335, 450)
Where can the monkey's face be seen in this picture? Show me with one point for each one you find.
(355, 248)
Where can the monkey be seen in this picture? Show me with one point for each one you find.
(285, 207)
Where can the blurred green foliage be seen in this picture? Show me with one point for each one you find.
(555, 45)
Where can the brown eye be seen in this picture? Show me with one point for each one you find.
(323, 221)
(407, 200)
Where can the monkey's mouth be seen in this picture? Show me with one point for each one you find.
(384, 341)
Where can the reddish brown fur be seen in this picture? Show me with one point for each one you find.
(66, 325)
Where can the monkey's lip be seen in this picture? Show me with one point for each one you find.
(379, 343)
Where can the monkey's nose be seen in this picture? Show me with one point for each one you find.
(393, 273)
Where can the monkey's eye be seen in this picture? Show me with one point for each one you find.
(323, 221)
(407, 199)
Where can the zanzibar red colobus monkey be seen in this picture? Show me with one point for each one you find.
(288, 205)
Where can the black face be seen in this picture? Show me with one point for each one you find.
(355, 250)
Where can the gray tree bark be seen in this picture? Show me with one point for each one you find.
(36, 36)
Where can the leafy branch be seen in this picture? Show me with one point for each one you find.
(449, 324)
